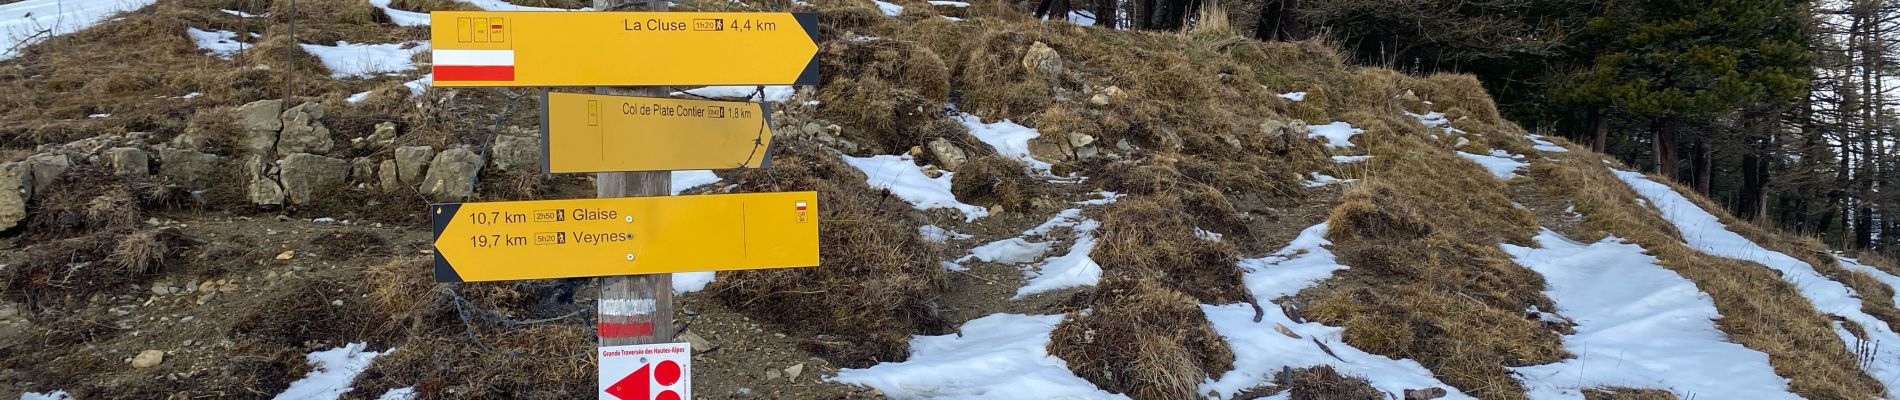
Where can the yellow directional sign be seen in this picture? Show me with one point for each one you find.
(624, 236)
(531, 48)
(599, 133)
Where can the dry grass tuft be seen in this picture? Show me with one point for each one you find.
(83, 200)
(1759, 310)
(997, 181)
(879, 280)
(1149, 238)
(1141, 339)
(1324, 383)
(1619, 393)
(144, 252)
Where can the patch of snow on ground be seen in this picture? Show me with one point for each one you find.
(1008, 138)
(688, 282)
(332, 371)
(420, 85)
(683, 180)
(1502, 164)
(956, 4)
(502, 5)
(1073, 269)
(403, 393)
(888, 8)
(941, 235)
(401, 17)
(773, 93)
(222, 44)
(355, 60)
(1704, 232)
(55, 395)
(1653, 326)
(242, 14)
(1433, 119)
(31, 21)
(1294, 96)
(906, 180)
(1538, 143)
(1350, 159)
(1320, 179)
(1337, 134)
(1082, 18)
(1260, 351)
(994, 357)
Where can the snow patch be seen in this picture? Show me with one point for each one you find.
(332, 372)
(683, 180)
(1072, 269)
(688, 282)
(906, 180)
(941, 235)
(1502, 164)
(997, 356)
(31, 21)
(1889, 279)
(1350, 159)
(401, 17)
(1010, 139)
(402, 393)
(954, 4)
(54, 395)
(1337, 134)
(1260, 350)
(356, 60)
(1294, 96)
(1538, 143)
(1320, 179)
(242, 14)
(222, 44)
(1705, 233)
(1654, 326)
(501, 5)
(888, 8)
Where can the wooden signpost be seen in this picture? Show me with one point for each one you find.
(631, 242)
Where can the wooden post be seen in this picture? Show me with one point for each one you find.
(634, 309)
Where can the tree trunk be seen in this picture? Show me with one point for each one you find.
(1105, 13)
(1599, 129)
(1704, 164)
(1752, 199)
(1277, 21)
(1055, 10)
(1143, 15)
(1664, 146)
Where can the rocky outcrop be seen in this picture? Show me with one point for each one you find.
(947, 153)
(259, 122)
(128, 161)
(303, 132)
(191, 169)
(407, 168)
(15, 181)
(47, 167)
(1043, 61)
(307, 176)
(517, 153)
(451, 175)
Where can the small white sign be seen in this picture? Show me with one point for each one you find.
(646, 372)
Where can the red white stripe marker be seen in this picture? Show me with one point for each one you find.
(801, 206)
(474, 65)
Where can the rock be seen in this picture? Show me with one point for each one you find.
(517, 153)
(193, 169)
(1460, 143)
(307, 177)
(129, 161)
(947, 153)
(1232, 142)
(384, 136)
(1083, 146)
(1098, 100)
(47, 167)
(1424, 394)
(932, 172)
(791, 373)
(407, 168)
(148, 359)
(9, 309)
(1043, 60)
(1273, 128)
(773, 374)
(1409, 96)
(1114, 91)
(15, 187)
(698, 343)
(452, 175)
(260, 121)
(1282, 329)
(286, 255)
(1297, 128)
(266, 192)
(303, 132)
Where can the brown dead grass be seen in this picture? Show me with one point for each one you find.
(1626, 394)
(878, 282)
(1141, 339)
(1324, 383)
(1759, 310)
(999, 183)
(1149, 238)
(1428, 281)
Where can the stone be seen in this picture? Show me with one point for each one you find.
(148, 359)
(773, 374)
(516, 153)
(1297, 128)
(286, 255)
(406, 169)
(15, 188)
(947, 153)
(48, 167)
(791, 373)
(1098, 100)
(266, 192)
(1043, 60)
(303, 131)
(192, 169)
(1273, 128)
(451, 175)
(1409, 96)
(1083, 146)
(363, 170)
(1460, 143)
(307, 177)
(698, 343)
(1114, 91)
(1282, 329)
(1424, 394)
(260, 121)
(384, 136)
(129, 161)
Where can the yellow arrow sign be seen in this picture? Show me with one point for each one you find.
(624, 236)
(599, 133)
(529, 48)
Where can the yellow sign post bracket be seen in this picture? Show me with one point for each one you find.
(624, 236)
(602, 133)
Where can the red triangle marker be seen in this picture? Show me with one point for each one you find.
(634, 386)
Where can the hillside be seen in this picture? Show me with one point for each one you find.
(200, 200)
